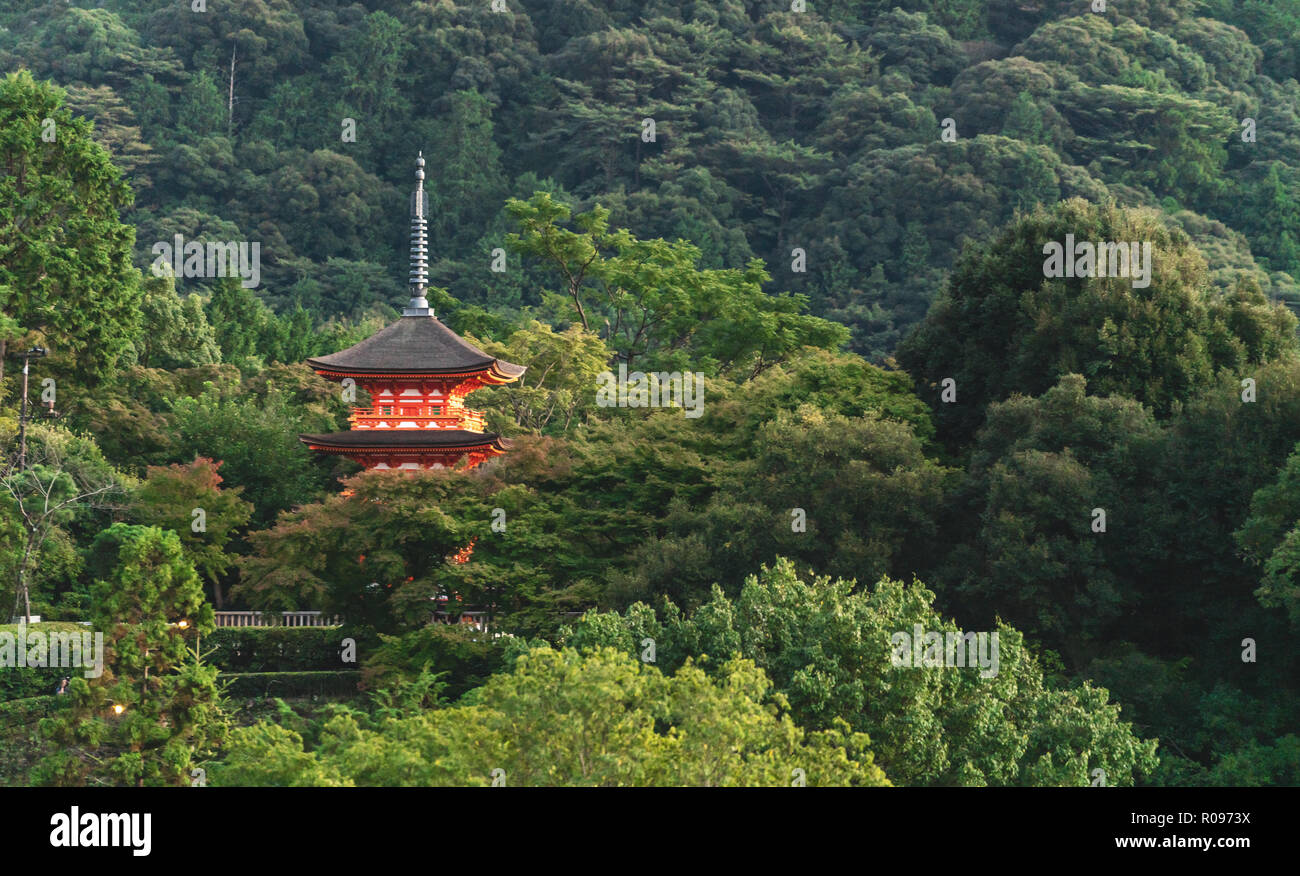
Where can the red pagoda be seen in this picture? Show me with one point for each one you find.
(418, 373)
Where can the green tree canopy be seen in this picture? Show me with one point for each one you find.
(562, 718)
(65, 256)
(827, 647)
(188, 500)
(1002, 326)
(656, 304)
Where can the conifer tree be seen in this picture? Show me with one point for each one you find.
(154, 710)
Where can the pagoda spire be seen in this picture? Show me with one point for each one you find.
(419, 305)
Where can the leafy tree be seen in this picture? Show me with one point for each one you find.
(151, 103)
(116, 129)
(828, 649)
(340, 288)
(370, 65)
(1001, 326)
(169, 497)
(380, 555)
(974, 178)
(656, 303)
(833, 493)
(255, 439)
(65, 475)
(326, 204)
(89, 46)
(909, 43)
(457, 652)
(787, 172)
(1024, 120)
(559, 386)
(1270, 537)
(1219, 472)
(792, 64)
(291, 117)
(249, 41)
(201, 110)
(1034, 554)
(239, 321)
(465, 180)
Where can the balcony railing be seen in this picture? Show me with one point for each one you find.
(476, 619)
(422, 415)
(287, 619)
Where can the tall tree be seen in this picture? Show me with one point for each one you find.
(466, 183)
(65, 256)
(175, 331)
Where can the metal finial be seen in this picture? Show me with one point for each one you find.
(419, 305)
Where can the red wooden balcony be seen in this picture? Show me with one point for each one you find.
(424, 417)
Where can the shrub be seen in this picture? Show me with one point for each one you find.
(291, 684)
(20, 682)
(274, 649)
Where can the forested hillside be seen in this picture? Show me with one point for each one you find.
(835, 212)
(773, 130)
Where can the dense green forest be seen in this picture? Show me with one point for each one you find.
(835, 211)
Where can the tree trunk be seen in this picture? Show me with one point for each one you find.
(21, 595)
(230, 100)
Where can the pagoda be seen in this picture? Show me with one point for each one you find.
(418, 373)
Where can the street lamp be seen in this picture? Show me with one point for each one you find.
(33, 353)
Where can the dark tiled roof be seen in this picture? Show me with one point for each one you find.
(405, 439)
(418, 345)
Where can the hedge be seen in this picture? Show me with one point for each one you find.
(46, 627)
(290, 684)
(21, 682)
(274, 649)
(233, 650)
(17, 713)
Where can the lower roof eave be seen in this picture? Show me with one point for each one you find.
(407, 441)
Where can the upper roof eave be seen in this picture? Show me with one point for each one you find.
(416, 345)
